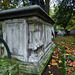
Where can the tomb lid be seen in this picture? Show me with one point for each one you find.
(27, 11)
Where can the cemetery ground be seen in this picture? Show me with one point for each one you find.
(61, 63)
(63, 58)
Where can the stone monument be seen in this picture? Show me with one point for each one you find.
(27, 31)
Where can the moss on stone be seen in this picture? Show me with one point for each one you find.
(8, 67)
(45, 64)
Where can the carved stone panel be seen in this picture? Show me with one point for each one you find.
(16, 38)
(47, 35)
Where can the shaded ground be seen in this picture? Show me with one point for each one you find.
(63, 58)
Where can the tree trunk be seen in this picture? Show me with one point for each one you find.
(66, 33)
(47, 6)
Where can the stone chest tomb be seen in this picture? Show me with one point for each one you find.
(27, 32)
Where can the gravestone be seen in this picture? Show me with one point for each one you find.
(61, 32)
(72, 32)
(27, 32)
(53, 33)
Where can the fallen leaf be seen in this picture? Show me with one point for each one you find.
(22, 74)
(74, 62)
(54, 64)
(73, 65)
(67, 64)
(69, 70)
(54, 52)
(60, 67)
(67, 54)
(72, 68)
(60, 61)
(49, 66)
(49, 71)
(53, 60)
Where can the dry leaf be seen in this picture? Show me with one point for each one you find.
(54, 52)
(72, 67)
(74, 62)
(49, 66)
(71, 64)
(67, 54)
(54, 64)
(49, 71)
(69, 70)
(67, 64)
(22, 74)
(60, 61)
(53, 60)
(60, 67)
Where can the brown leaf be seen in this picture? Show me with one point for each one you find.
(53, 61)
(54, 64)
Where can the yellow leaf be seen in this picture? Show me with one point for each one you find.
(68, 51)
(67, 54)
(69, 70)
(49, 65)
(49, 71)
(54, 64)
(72, 67)
(60, 61)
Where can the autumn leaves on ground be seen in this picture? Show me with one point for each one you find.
(63, 58)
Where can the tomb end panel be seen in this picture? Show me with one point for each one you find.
(15, 34)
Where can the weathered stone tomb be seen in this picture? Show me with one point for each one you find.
(27, 32)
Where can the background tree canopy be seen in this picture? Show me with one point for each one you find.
(65, 14)
(7, 4)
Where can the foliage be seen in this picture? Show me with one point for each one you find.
(71, 23)
(8, 67)
(51, 13)
(64, 13)
(7, 4)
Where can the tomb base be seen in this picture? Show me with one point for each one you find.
(36, 68)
